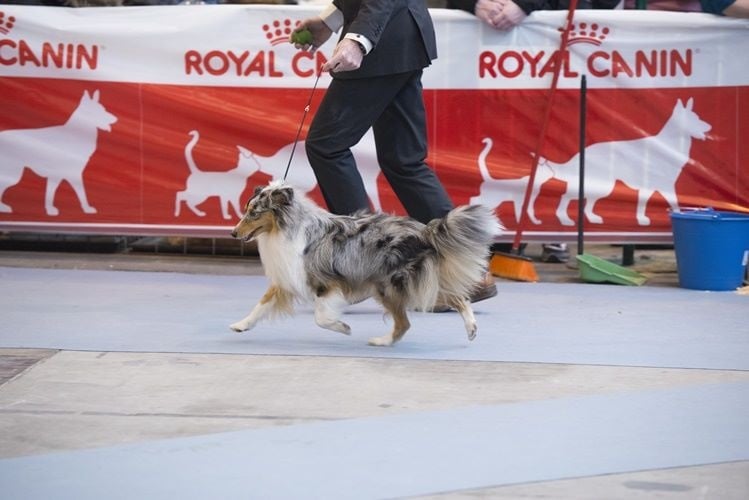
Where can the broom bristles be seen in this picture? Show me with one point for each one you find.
(513, 267)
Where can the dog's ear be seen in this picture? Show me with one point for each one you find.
(255, 192)
(282, 196)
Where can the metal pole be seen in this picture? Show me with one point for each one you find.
(581, 180)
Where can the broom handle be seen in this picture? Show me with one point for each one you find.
(542, 137)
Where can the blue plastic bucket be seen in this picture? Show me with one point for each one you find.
(712, 248)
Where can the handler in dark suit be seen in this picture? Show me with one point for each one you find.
(376, 69)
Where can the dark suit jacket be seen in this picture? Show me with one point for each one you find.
(401, 32)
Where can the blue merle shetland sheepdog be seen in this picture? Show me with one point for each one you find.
(311, 255)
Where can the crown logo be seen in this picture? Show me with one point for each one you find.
(6, 23)
(584, 33)
(279, 31)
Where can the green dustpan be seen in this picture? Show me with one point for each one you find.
(596, 270)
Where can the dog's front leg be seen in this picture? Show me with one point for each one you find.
(80, 191)
(274, 301)
(328, 309)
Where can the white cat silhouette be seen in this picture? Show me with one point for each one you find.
(302, 176)
(493, 192)
(227, 186)
(59, 153)
(648, 165)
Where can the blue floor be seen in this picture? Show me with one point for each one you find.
(527, 322)
(413, 453)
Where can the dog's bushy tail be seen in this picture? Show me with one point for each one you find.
(462, 239)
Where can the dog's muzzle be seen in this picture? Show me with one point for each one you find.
(249, 236)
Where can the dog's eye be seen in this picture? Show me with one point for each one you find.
(255, 212)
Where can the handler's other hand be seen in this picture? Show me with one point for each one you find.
(510, 16)
(347, 56)
(487, 10)
(320, 33)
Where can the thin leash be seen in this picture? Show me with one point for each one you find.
(298, 132)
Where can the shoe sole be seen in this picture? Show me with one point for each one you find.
(485, 292)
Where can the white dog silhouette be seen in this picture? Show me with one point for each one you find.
(59, 153)
(648, 165)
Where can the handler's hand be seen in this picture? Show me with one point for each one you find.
(487, 10)
(347, 56)
(320, 33)
(510, 16)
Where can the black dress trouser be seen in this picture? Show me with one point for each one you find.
(393, 106)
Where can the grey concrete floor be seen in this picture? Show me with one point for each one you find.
(54, 401)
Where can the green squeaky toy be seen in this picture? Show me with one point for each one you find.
(303, 37)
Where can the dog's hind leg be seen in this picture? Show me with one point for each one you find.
(237, 209)
(466, 312)
(400, 324)
(564, 203)
(49, 196)
(225, 208)
(328, 308)
(643, 196)
(275, 301)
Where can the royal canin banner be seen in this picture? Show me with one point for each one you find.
(161, 120)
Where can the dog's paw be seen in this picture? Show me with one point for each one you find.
(336, 326)
(342, 327)
(239, 326)
(384, 341)
(471, 330)
(597, 219)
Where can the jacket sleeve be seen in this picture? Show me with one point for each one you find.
(371, 19)
(466, 5)
(529, 6)
(605, 4)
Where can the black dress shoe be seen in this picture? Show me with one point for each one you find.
(484, 290)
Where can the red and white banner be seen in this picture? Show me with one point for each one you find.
(161, 120)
